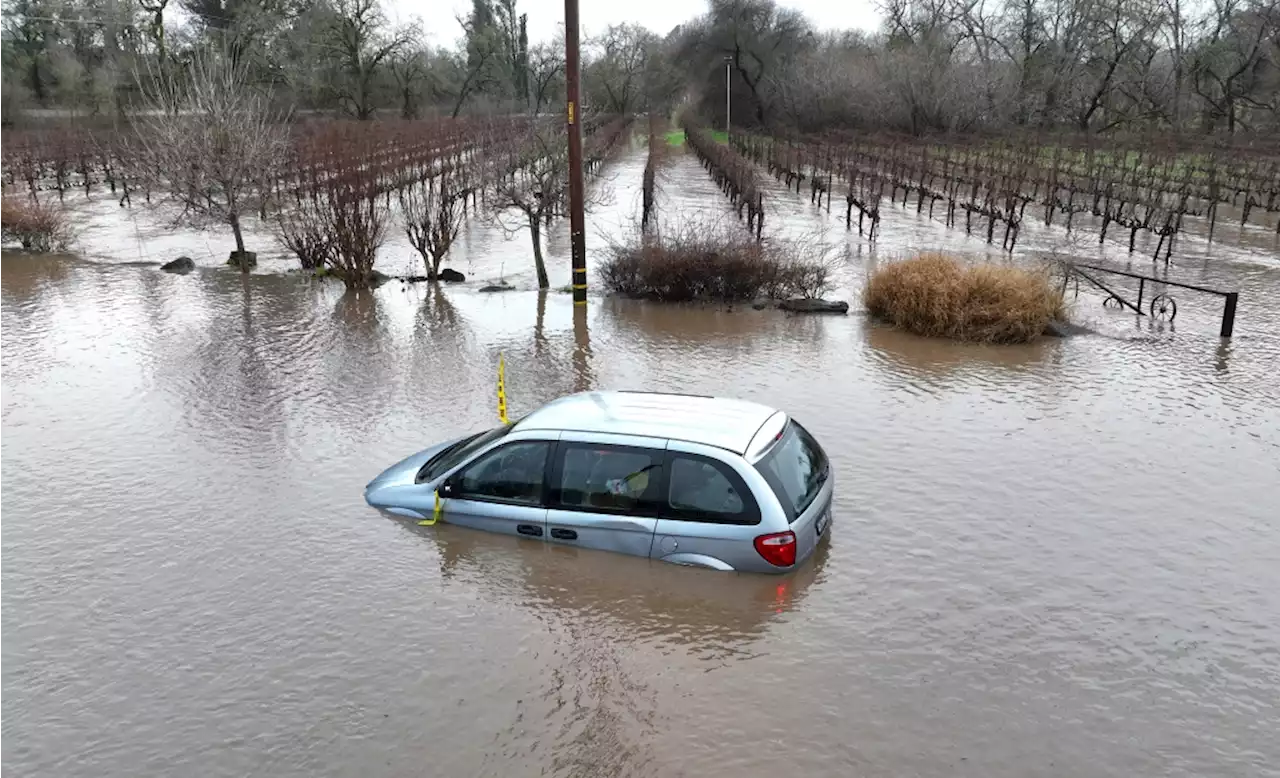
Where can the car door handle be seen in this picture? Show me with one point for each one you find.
(563, 534)
(529, 529)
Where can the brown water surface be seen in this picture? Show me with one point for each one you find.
(1059, 559)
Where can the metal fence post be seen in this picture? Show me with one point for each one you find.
(1229, 314)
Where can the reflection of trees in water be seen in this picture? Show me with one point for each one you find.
(237, 380)
(356, 312)
(437, 315)
(442, 352)
(361, 358)
(546, 363)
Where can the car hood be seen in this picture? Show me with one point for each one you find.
(403, 472)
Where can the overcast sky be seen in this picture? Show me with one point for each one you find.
(658, 15)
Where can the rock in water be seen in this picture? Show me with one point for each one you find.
(1057, 328)
(244, 260)
(181, 265)
(502, 287)
(449, 275)
(806, 305)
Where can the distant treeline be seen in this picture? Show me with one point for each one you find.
(1173, 66)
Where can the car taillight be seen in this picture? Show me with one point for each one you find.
(778, 549)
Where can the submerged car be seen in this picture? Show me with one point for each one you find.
(712, 482)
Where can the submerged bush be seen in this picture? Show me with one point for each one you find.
(38, 227)
(337, 231)
(700, 262)
(939, 296)
(306, 233)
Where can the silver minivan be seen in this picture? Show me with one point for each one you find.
(712, 482)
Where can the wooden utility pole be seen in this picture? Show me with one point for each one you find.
(577, 225)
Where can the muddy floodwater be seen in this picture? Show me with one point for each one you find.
(1060, 559)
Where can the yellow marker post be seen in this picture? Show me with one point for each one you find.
(502, 390)
(435, 515)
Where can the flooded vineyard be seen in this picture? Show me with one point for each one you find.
(1055, 559)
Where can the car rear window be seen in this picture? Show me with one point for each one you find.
(796, 468)
(706, 490)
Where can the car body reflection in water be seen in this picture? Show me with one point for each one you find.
(706, 610)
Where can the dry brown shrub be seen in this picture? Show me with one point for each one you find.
(40, 227)
(938, 296)
(706, 261)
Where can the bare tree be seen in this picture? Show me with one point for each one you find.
(211, 143)
(1230, 67)
(1176, 35)
(1117, 30)
(432, 214)
(360, 42)
(155, 26)
(305, 231)
(756, 37)
(410, 66)
(616, 75)
(357, 220)
(546, 73)
(480, 63)
(532, 187)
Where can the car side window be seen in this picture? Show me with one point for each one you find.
(510, 473)
(609, 478)
(702, 489)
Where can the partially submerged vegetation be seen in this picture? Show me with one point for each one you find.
(939, 296)
(41, 227)
(698, 261)
(991, 114)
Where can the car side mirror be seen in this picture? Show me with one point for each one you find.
(446, 489)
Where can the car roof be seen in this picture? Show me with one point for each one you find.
(714, 421)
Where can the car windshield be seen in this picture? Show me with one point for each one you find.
(459, 452)
(796, 468)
